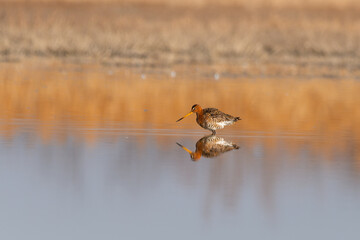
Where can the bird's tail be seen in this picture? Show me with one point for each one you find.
(236, 119)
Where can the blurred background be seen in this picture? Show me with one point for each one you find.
(282, 65)
(90, 92)
(301, 37)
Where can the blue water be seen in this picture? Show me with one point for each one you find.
(137, 183)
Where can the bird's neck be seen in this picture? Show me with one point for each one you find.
(196, 155)
(198, 152)
(199, 112)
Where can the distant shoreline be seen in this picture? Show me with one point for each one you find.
(163, 36)
(203, 3)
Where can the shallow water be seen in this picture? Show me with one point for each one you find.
(85, 174)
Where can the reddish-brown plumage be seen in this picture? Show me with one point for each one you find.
(211, 118)
(209, 147)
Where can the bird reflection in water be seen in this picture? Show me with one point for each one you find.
(209, 147)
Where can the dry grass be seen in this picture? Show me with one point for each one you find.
(95, 98)
(92, 94)
(201, 3)
(159, 36)
(66, 104)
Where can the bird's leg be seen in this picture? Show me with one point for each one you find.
(213, 132)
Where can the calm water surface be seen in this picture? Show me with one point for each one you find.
(129, 180)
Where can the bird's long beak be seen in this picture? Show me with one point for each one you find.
(185, 116)
(184, 148)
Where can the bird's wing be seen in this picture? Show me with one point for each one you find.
(215, 113)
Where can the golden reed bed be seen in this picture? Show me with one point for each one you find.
(94, 96)
(255, 3)
(160, 33)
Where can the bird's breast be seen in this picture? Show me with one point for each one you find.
(200, 120)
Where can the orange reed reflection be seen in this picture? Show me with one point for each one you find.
(94, 97)
(210, 146)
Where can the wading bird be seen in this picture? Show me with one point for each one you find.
(210, 146)
(211, 118)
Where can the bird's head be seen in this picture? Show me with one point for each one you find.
(194, 109)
